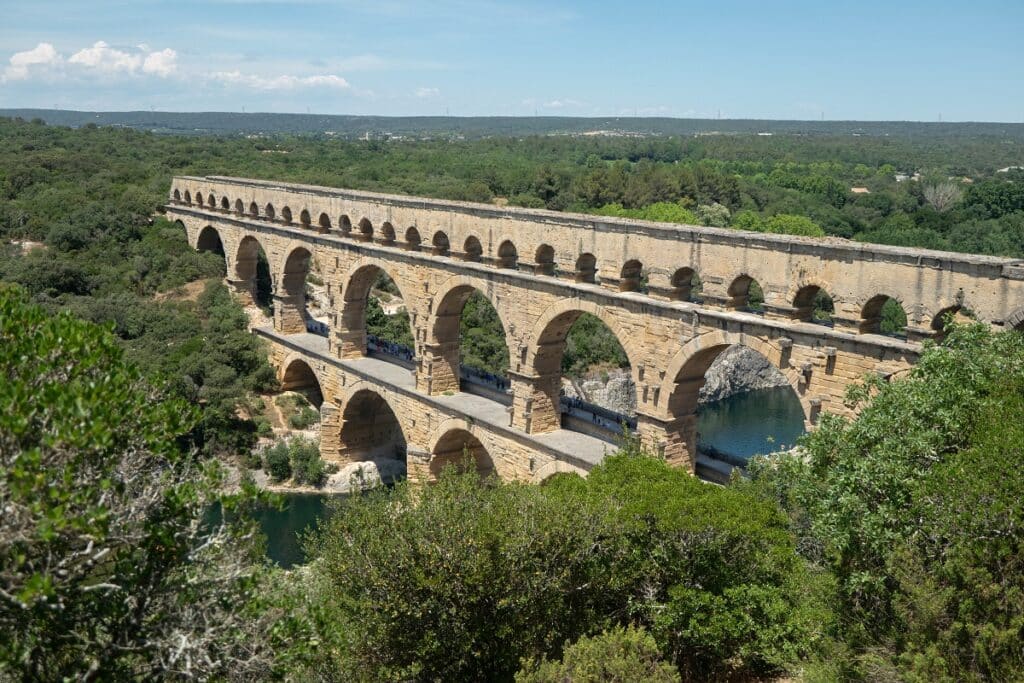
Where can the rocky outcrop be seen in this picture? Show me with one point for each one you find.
(736, 371)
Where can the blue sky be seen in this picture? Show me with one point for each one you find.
(785, 59)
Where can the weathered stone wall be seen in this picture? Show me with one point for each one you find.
(670, 344)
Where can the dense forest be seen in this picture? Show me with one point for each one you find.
(889, 547)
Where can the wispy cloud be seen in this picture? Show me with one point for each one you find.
(283, 82)
(427, 93)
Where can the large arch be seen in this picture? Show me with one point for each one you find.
(209, 240)
(298, 376)
(458, 447)
(445, 347)
(252, 272)
(370, 427)
(355, 294)
(291, 314)
(545, 351)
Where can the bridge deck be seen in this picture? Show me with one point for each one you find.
(587, 449)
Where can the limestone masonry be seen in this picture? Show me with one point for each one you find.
(541, 270)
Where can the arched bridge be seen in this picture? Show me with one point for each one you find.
(541, 270)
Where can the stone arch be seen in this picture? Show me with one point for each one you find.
(188, 197)
(959, 311)
(412, 238)
(246, 271)
(225, 204)
(544, 258)
(508, 256)
(586, 268)
(254, 210)
(290, 316)
(297, 375)
(177, 195)
(454, 444)
(440, 244)
(211, 201)
(543, 361)
(387, 233)
(239, 207)
(358, 282)
(365, 230)
(871, 321)
(472, 250)
(286, 215)
(631, 276)
(345, 225)
(1015, 321)
(807, 298)
(445, 329)
(305, 220)
(741, 292)
(209, 240)
(370, 426)
(324, 222)
(554, 467)
(199, 200)
(268, 212)
(682, 284)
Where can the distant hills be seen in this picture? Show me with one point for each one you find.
(231, 123)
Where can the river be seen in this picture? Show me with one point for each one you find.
(739, 426)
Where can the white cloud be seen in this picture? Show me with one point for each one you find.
(285, 82)
(162, 63)
(562, 103)
(42, 57)
(104, 58)
(426, 93)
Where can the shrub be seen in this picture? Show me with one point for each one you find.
(620, 655)
(277, 461)
(307, 467)
(263, 427)
(304, 417)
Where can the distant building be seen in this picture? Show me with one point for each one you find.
(860, 190)
(902, 177)
(1010, 168)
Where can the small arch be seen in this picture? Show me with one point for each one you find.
(199, 199)
(345, 225)
(225, 204)
(813, 304)
(268, 212)
(304, 219)
(211, 201)
(254, 210)
(301, 378)
(1015, 321)
(412, 239)
(631, 279)
(177, 195)
(508, 257)
(239, 207)
(188, 197)
(545, 260)
(387, 233)
(555, 467)
(472, 250)
(365, 230)
(883, 314)
(324, 222)
(586, 268)
(959, 314)
(686, 285)
(745, 294)
(441, 246)
(286, 216)
(462, 450)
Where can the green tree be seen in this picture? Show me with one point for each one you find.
(621, 655)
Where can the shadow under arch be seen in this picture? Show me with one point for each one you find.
(299, 377)
(460, 449)
(252, 272)
(544, 361)
(209, 241)
(446, 329)
(358, 283)
(292, 313)
(369, 428)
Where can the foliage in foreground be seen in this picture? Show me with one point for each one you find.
(461, 581)
(620, 655)
(107, 571)
(916, 507)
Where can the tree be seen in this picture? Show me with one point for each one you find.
(106, 571)
(942, 194)
(621, 655)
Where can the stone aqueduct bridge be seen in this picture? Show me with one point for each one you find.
(541, 270)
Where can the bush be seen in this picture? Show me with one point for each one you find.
(263, 428)
(621, 655)
(304, 417)
(277, 462)
(306, 464)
